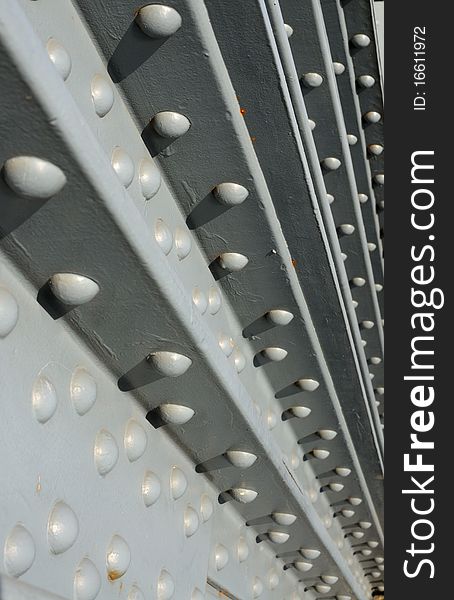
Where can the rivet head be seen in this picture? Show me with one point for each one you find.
(176, 414)
(62, 528)
(197, 595)
(232, 261)
(288, 30)
(379, 178)
(239, 360)
(183, 243)
(278, 537)
(158, 21)
(371, 246)
(271, 419)
(312, 124)
(149, 178)
(366, 552)
(361, 40)
(338, 67)
(226, 344)
(170, 364)
(343, 471)
(284, 519)
(330, 198)
(72, 289)
(166, 586)
(59, 57)
(373, 544)
(191, 521)
(331, 163)
(320, 453)
(105, 452)
(206, 508)
(375, 360)
(83, 391)
(170, 125)
(358, 534)
(308, 385)
(322, 588)
(378, 287)
(329, 579)
(273, 580)
(358, 281)
(274, 354)
(366, 81)
(367, 324)
(163, 236)
(123, 166)
(102, 95)
(375, 149)
(380, 391)
(352, 139)
(230, 194)
(19, 551)
(365, 524)
(33, 178)
(336, 487)
(242, 550)
(346, 229)
(312, 80)
(118, 558)
(372, 116)
(303, 566)
(200, 300)
(87, 581)
(363, 198)
(240, 458)
(310, 553)
(347, 513)
(221, 557)
(151, 488)
(327, 434)
(278, 316)
(135, 594)
(214, 301)
(44, 399)
(243, 495)
(135, 440)
(9, 312)
(301, 412)
(257, 588)
(178, 483)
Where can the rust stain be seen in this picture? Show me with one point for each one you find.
(253, 138)
(113, 575)
(294, 263)
(243, 111)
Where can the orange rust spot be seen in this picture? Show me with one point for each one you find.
(253, 138)
(294, 262)
(243, 111)
(113, 575)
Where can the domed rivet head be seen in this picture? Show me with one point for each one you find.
(9, 312)
(59, 57)
(62, 528)
(329, 579)
(352, 139)
(375, 149)
(123, 166)
(206, 508)
(303, 566)
(375, 360)
(178, 483)
(242, 550)
(197, 595)
(371, 246)
(363, 198)
(372, 116)
(367, 324)
(226, 344)
(169, 364)
(19, 551)
(310, 553)
(170, 125)
(338, 67)
(214, 301)
(355, 304)
(239, 360)
(358, 282)
(72, 289)
(135, 594)
(151, 488)
(322, 588)
(118, 558)
(361, 40)
(365, 524)
(358, 534)
(342, 471)
(83, 391)
(149, 178)
(87, 581)
(346, 229)
(278, 316)
(288, 30)
(379, 560)
(320, 453)
(366, 552)
(200, 300)
(307, 385)
(273, 580)
(271, 419)
(274, 354)
(278, 537)
(33, 178)
(221, 557)
(191, 521)
(373, 544)
(344, 256)
(366, 81)
(364, 343)
(330, 198)
(175, 414)
(379, 179)
(312, 80)
(312, 124)
(336, 487)
(166, 586)
(158, 21)
(44, 399)
(327, 434)
(284, 519)
(346, 512)
(301, 412)
(163, 236)
(378, 287)
(135, 440)
(232, 261)
(243, 495)
(240, 458)
(102, 95)
(183, 243)
(257, 588)
(105, 452)
(230, 194)
(330, 163)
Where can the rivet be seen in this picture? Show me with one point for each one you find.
(197, 595)
(135, 440)
(278, 316)
(257, 588)
(329, 579)
(338, 67)
(336, 487)
(118, 558)
(191, 521)
(214, 301)
(373, 544)
(183, 243)
(330, 198)
(379, 179)
(310, 553)
(176, 414)
(271, 419)
(366, 552)
(149, 178)
(278, 537)
(273, 580)
(375, 149)
(230, 194)
(312, 124)
(240, 458)
(322, 588)
(200, 300)
(178, 483)
(288, 30)
(352, 139)
(364, 343)
(102, 95)
(221, 557)
(301, 412)
(19, 551)
(375, 360)
(239, 360)
(83, 391)
(378, 287)
(345, 512)
(44, 399)
(163, 236)
(367, 324)
(123, 166)
(346, 229)
(366, 81)
(243, 495)
(105, 452)
(302, 566)
(284, 519)
(312, 80)
(363, 198)
(206, 508)
(365, 524)
(372, 116)
(170, 364)
(62, 528)
(379, 560)
(355, 303)
(73, 289)
(371, 246)
(308, 385)
(232, 261)
(361, 40)
(318, 453)
(151, 488)
(274, 354)
(135, 594)
(170, 125)
(331, 163)
(380, 391)
(9, 312)
(226, 344)
(33, 178)
(59, 57)
(242, 550)
(87, 581)
(342, 471)
(158, 21)
(358, 281)
(344, 256)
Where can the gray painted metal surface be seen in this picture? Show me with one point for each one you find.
(184, 376)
